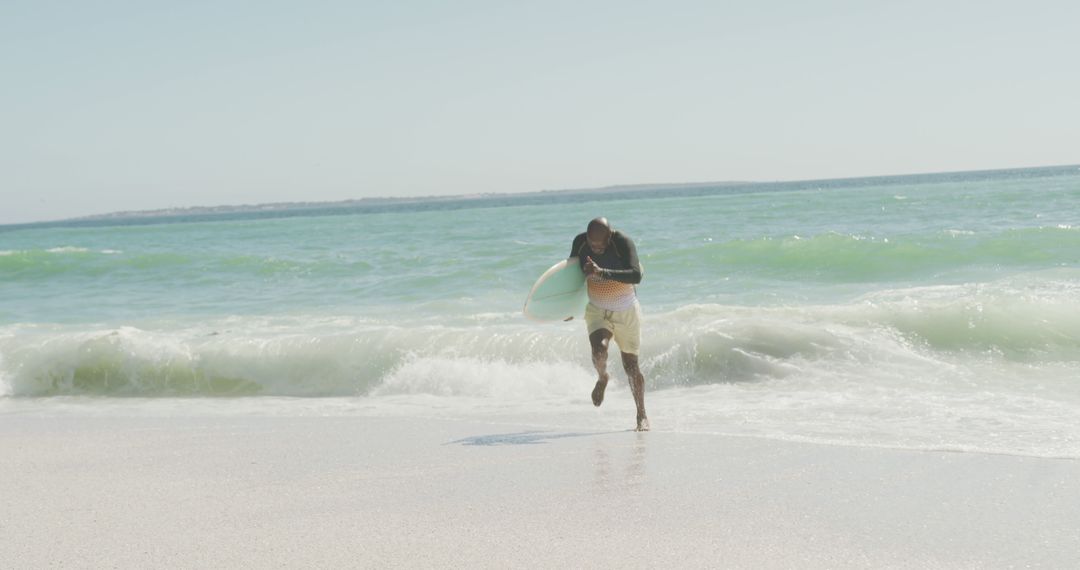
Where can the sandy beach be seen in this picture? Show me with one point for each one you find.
(273, 281)
(202, 492)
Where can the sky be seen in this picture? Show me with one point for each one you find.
(109, 106)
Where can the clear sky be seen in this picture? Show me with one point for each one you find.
(108, 105)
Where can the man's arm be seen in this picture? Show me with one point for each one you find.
(629, 250)
(576, 246)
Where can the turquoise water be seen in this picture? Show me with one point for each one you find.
(934, 311)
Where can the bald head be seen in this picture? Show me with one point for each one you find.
(599, 225)
(599, 235)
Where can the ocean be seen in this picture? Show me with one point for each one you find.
(933, 312)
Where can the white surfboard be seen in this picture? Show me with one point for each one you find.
(559, 294)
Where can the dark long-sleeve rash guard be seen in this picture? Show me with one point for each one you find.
(619, 260)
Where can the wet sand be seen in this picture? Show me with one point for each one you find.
(200, 492)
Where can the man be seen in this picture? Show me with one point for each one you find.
(610, 262)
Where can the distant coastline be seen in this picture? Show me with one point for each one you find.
(497, 199)
(387, 201)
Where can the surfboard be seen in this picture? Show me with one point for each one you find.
(559, 294)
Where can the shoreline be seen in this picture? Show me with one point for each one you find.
(229, 491)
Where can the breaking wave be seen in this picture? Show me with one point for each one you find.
(932, 329)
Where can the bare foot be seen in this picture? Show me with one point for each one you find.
(642, 424)
(598, 391)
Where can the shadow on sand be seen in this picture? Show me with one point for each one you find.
(522, 438)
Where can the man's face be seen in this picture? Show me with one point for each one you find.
(598, 240)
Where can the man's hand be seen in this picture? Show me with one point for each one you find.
(591, 268)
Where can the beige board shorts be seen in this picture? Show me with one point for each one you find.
(625, 326)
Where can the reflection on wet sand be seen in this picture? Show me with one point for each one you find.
(626, 471)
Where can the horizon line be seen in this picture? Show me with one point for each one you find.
(225, 209)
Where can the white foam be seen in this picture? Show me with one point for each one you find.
(987, 367)
(486, 378)
(958, 233)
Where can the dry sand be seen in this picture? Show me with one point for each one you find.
(258, 492)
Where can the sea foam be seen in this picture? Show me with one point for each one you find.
(934, 327)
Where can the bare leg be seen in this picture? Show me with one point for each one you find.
(599, 341)
(637, 386)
